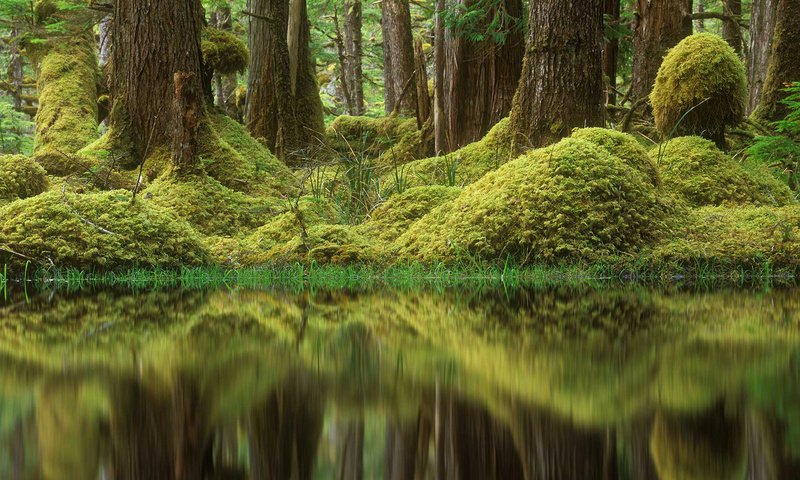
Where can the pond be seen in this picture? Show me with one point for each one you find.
(590, 381)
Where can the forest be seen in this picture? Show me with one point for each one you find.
(642, 135)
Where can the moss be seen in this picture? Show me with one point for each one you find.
(98, 230)
(368, 136)
(703, 74)
(623, 146)
(569, 201)
(739, 236)
(20, 177)
(66, 119)
(329, 244)
(466, 164)
(392, 219)
(696, 171)
(224, 52)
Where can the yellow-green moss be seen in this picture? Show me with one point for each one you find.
(66, 119)
(703, 74)
(392, 219)
(334, 244)
(102, 230)
(20, 177)
(696, 171)
(571, 201)
(732, 236)
(368, 136)
(224, 52)
(623, 146)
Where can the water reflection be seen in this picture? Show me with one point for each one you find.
(552, 384)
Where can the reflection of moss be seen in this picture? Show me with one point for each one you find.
(698, 172)
(20, 177)
(569, 201)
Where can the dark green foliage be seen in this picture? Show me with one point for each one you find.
(782, 152)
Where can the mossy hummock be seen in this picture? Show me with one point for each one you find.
(224, 52)
(20, 177)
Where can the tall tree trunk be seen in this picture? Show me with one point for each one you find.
(352, 71)
(700, 23)
(152, 42)
(441, 145)
(283, 104)
(481, 77)
(611, 49)
(731, 31)
(660, 25)
(562, 75)
(16, 71)
(398, 57)
(762, 26)
(421, 81)
(784, 61)
(225, 84)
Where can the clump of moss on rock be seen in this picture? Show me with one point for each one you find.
(703, 79)
(66, 119)
(20, 177)
(104, 230)
(695, 170)
(391, 219)
(571, 201)
(224, 52)
(621, 145)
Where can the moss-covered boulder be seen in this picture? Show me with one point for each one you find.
(390, 220)
(696, 171)
(621, 145)
(223, 51)
(367, 136)
(20, 177)
(98, 230)
(702, 85)
(327, 244)
(571, 201)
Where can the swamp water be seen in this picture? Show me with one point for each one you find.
(556, 383)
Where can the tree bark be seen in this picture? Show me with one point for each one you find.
(152, 42)
(762, 26)
(611, 50)
(283, 104)
(731, 31)
(700, 23)
(481, 77)
(351, 69)
(398, 57)
(225, 84)
(421, 81)
(188, 111)
(562, 75)
(660, 25)
(784, 61)
(441, 145)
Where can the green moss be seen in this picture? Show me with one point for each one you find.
(224, 52)
(392, 219)
(696, 171)
(569, 201)
(20, 177)
(466, 164)
(330, 244)
(623, 146)
(738, 236)
(102, 230)
(66, 119)
(368, 136)
(703, 74)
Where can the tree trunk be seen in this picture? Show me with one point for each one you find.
(481, 77)
(283, 104)
(441, 145)
(731, 31)
(351, 69)
(660, 25)
(188, 111)
(421, 81)
(784, 61)
(398, 57)
(16, 71)
(562, 75)
(762, 26)
(152, 42)
(700, 23)
(225, 84)
(611, 49)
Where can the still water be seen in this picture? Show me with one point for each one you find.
(558, 383)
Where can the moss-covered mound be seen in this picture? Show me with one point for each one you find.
(696, 171)
(98, 230)
(621, 145)
(20, 177)
(66, 120)
(334, 244)
(732, 236)
(571, 201)
(224, 52)
(463, 166)
(367, 136)
(392, 219)
(703, 79)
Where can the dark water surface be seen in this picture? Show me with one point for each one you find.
(565, 383)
